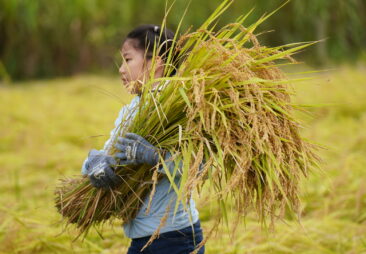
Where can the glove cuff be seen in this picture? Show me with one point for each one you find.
(155, 157)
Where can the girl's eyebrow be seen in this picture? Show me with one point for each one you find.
(124, 54)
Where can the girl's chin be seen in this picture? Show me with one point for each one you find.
(125, 84)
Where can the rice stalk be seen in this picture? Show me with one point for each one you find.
(229, 106)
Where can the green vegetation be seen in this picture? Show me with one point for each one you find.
(42, 38)
(47, 128)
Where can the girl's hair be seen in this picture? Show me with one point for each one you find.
(147, 37)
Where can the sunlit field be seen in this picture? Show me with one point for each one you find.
(47, 128)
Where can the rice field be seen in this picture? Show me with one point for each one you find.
(47, 128)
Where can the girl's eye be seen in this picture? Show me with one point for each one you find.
(128, 59)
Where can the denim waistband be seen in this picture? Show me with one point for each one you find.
(187, 231)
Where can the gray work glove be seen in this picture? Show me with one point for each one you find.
(99, 168)
(134, 150)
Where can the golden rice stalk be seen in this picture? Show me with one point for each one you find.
(228, 105)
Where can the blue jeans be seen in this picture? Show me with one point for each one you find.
(182, 241)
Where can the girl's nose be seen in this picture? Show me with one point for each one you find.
(121, 69)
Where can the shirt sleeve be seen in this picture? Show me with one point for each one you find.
(83, 167)
(124, 118)
(171, 166)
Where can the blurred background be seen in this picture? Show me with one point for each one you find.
(43, 38)
(60, 94)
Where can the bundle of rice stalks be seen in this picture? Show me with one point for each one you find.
(228, 105)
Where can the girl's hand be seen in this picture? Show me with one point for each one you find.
(135, 150)
(99, 168)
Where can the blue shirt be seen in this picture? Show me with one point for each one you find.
(146, 224)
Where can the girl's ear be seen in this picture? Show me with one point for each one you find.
(159, 67)
(159, 63)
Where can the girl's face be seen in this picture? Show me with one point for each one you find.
(135, 67)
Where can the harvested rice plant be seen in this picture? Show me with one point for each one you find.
(229, 105)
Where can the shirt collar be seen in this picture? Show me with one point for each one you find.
(160, 87)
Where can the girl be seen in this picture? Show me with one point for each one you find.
(178, 235)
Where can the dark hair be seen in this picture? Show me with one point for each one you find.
(146, 37)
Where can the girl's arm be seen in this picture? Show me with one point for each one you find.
(171, 166)
(135, 150)
(107, 144)
(125, 116)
